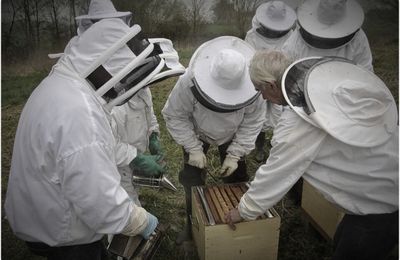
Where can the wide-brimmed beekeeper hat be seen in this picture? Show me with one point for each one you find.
(347, 101)
(220, 71)
(330, 19)
(276, 15)
(101, 9)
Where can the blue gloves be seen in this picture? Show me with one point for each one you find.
(151, 226)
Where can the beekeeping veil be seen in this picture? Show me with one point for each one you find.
(101, 9)
(117, 61)
(276, 19)
(329, 24)
(347, 101)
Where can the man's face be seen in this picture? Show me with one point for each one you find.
(270, 91)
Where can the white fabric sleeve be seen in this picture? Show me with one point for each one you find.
(294, 146)
(124, 152)
(177, 113)
(250, 39)
(244, 140)
(272, 114)
(137, 222)
(91, 183)
(362, 51)
(289, 47)
(153, 124)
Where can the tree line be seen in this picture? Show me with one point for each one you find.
(29, 25)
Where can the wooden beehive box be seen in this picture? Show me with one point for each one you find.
(322, 214)
(256, 239)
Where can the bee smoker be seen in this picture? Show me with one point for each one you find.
(153, 182)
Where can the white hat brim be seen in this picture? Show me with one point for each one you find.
(274, 24)
(103, 16)
(337, 122)
(200, 67)
(308, 19)
(285, 85)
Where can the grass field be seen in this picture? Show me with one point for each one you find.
(297, 239)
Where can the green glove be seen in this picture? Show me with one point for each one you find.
(154, 144)
(148, 165)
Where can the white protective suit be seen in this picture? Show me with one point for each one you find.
(347, 176)
(190, 123)
(259, 42)
(356, 50)
(64, 187)
(133, 123)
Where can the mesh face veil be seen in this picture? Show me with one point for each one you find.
(117, 85)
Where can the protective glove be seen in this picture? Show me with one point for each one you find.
(148, 165)
(152, 223)
(197, 159)
(155, 145)
(229, 166)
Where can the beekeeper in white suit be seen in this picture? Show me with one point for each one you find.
(330, 28)
(339, 132)
(135, 124)
(272, 25)
(214, 103)
(64, 190)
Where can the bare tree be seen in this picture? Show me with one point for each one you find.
(243, 13)
(54, 14)
(37, 13)
(72, 15)
(11, 9)
(27, 22)
(197, 8)
(152, 15)
(223, 10)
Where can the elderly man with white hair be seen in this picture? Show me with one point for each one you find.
(339, 132)
(272, 25)
(214, 103)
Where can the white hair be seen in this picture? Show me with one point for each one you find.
(268, 66)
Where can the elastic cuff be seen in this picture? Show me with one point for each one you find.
(233, 156)
(195, 149)
(137, 222)
(248, 210)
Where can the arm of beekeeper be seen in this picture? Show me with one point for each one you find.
(124, 152)
(154, 127)
(361, 50)
(177, 114)
(295, 144)
(91, 184)
(290, 47)
(250, 127)
(251, 37)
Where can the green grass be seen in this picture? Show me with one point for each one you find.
(297, 239)
(16, 89)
